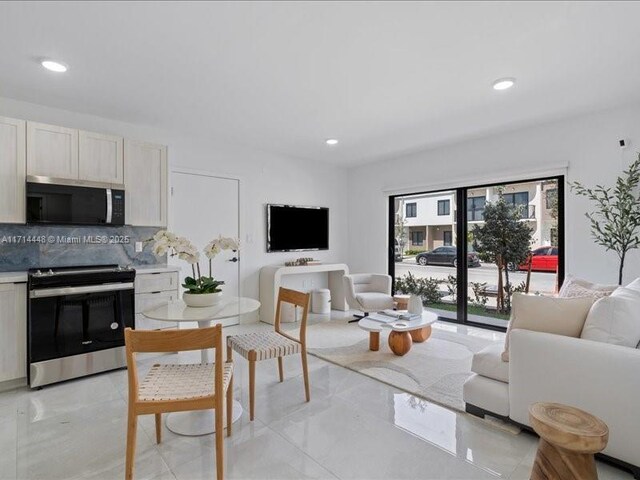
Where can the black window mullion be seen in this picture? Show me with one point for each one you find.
(461, 242)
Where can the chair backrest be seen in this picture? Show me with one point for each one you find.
(367, 282)
(171, 341)
(298, 299)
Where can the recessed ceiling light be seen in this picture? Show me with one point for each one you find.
(503, 83)
(331, 141)
(54, 66)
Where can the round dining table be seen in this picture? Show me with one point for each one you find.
(201, 422)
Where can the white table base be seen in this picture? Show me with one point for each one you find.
(198, 422)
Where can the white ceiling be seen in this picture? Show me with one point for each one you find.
(384, 78)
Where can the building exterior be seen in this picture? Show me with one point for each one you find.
(427, 221)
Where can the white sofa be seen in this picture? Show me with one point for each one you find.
(601, 378)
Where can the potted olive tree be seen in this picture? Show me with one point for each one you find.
(615, 222)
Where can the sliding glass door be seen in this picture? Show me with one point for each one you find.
(466, 251)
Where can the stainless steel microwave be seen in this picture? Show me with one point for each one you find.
(73, 202)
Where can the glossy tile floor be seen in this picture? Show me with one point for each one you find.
(353, 428)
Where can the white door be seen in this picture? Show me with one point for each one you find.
(202, 208)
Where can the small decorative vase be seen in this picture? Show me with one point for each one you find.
(415, 305)
(201, 299)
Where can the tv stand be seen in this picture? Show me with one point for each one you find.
(271, 279)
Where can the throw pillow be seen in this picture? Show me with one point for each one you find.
(561, 316)
(615, 319)
(575, 287)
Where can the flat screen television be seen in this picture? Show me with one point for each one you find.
(293, 229)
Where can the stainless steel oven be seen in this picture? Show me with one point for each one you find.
(76, 321)
(73, 202)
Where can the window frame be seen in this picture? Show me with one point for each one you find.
(414, 206)
(444, 202)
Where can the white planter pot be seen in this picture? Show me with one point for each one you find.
(202, 299)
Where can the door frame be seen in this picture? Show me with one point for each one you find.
(461, 228)
(206, 173)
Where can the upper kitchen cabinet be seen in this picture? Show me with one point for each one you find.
(100, 158)
(12, 170)
(52, 151)
(145, 179)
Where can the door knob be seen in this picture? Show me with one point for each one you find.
(234, 259)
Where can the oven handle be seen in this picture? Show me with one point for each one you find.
(57, 292)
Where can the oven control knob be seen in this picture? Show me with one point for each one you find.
(38, 273)
(50, 272)
(114, 325)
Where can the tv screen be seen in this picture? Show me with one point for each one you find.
(291, 228)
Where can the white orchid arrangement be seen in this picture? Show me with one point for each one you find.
(166, 242)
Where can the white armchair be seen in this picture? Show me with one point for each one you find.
(368, 292)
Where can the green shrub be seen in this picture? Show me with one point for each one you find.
(412, 252)
(427, 288)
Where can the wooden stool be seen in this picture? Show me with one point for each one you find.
(402, 301)
(568, 439)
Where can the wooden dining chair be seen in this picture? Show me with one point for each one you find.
(277, 344)
(177, 387)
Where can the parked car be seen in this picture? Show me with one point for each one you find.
(446, 256)
(543, 259)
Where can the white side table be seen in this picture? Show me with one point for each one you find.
(201, 422)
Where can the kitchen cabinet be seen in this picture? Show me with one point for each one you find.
(152, 290)
(100, 157)
(13, 170)
(145, 178)
(52, 151)
(13, 341)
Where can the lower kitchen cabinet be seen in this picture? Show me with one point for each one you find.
(152, 290)
(13, 340)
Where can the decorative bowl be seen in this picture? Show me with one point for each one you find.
(201, 299)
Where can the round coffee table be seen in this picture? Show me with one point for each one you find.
(403, 333)
(569, 437)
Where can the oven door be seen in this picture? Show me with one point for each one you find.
(66, 204)
(74, 320)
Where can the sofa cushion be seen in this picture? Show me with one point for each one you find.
(615, 319)
(488, 363)
(576, 287)
(372, 301)
(561, 316)
(487, 394)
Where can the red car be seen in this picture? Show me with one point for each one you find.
(543, 259)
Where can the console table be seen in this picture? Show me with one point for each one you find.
(271, 279)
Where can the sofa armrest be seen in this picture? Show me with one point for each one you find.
(601, 378)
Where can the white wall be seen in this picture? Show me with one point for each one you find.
(265, 178)
(588, 145)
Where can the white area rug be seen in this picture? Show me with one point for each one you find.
(434, 370)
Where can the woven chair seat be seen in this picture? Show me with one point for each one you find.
(181, 381)
(266, 345)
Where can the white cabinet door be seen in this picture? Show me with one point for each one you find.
(13, 169)
(13, 340)
(52, 151)
(100, 157)
(145, 178)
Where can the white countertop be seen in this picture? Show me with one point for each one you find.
(156, 268)
(13, 277)
(19, 277)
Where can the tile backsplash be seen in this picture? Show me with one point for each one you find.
(37, 246)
